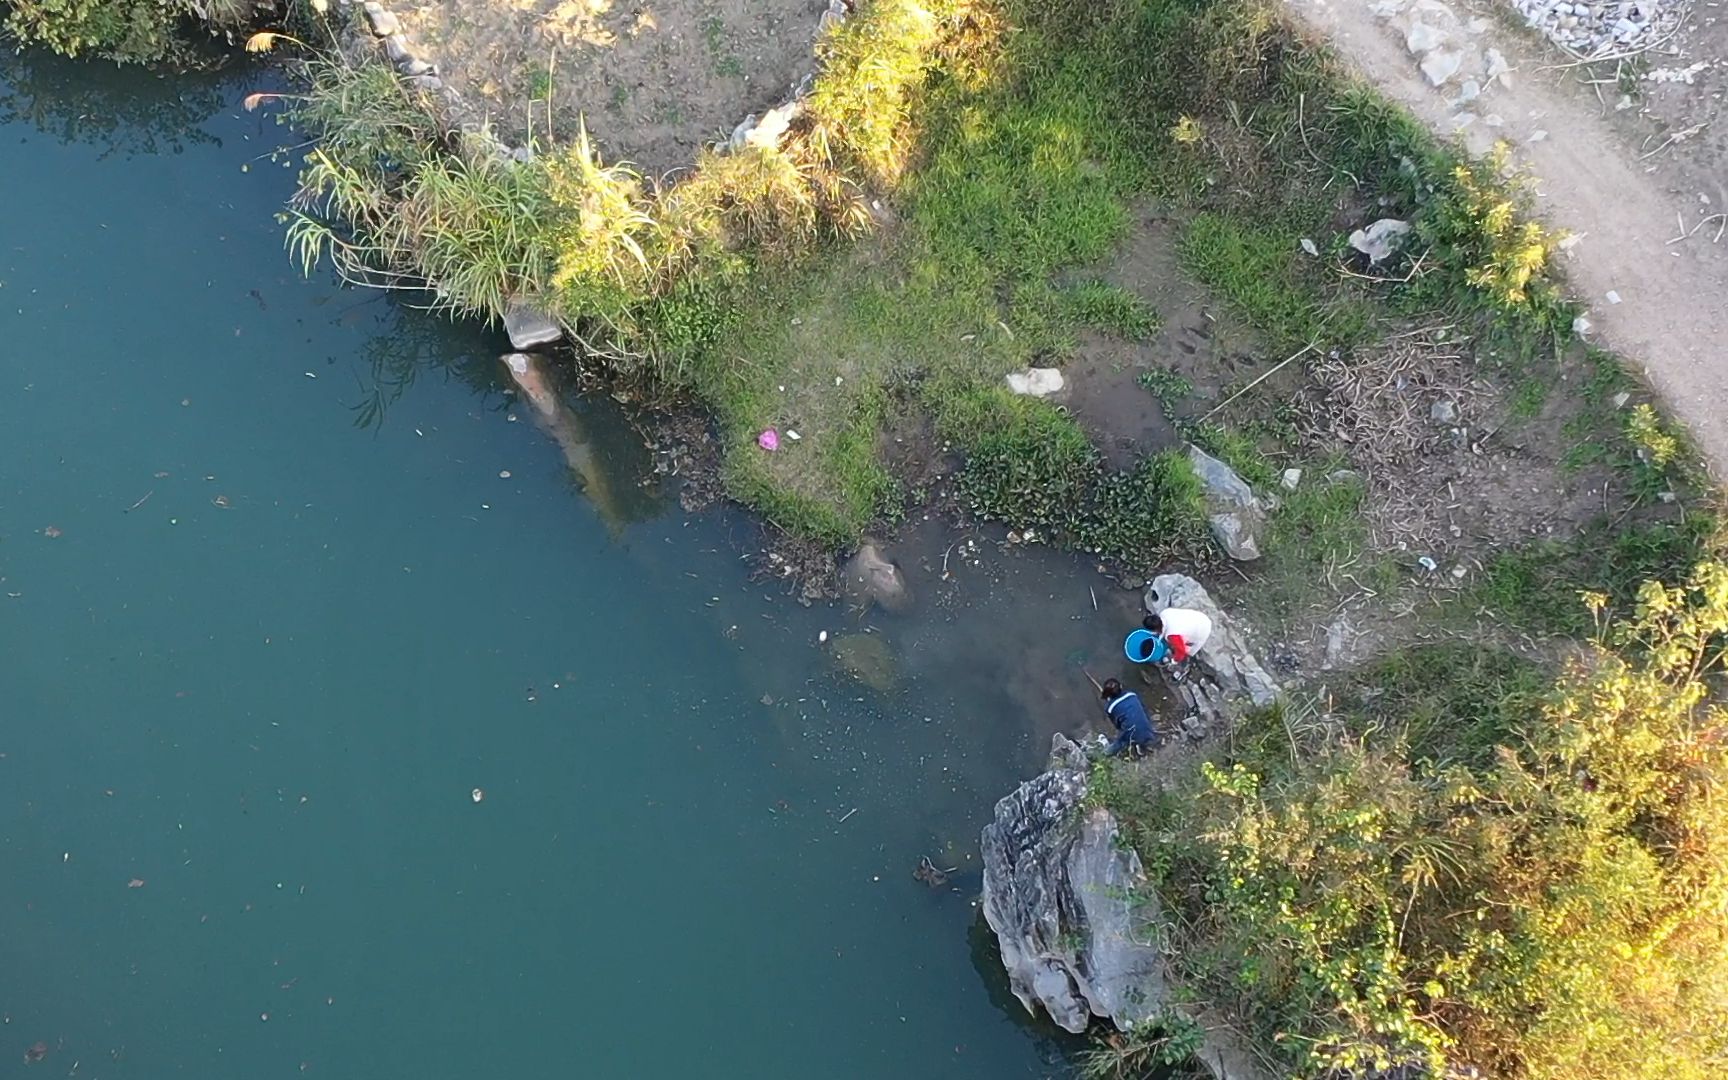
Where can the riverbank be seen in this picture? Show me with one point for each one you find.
(1161, 201)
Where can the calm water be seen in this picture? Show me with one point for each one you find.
(269, 612)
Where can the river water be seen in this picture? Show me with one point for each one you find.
(286, 575)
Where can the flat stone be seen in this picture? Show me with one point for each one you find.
(1440, 65)
(1422, 38)
(415, 66)
(426, 82)
(529, 328)
(396, 48)
(1290, 479)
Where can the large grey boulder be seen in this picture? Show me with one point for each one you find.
(870, 577)
(1081, 934)
(1233, 510)
(1077, 929)
(1230, 670)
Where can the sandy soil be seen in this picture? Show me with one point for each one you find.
(653, 79)
(1604, 175)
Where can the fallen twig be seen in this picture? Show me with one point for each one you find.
(1303, 351)
(140, 502)
(848, 814)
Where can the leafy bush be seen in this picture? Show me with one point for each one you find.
(132, 31)
(1541, 893)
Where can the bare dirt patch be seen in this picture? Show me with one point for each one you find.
(1106, 387)
(1597, 178)
(653, 79)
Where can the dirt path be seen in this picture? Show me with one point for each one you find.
(1603, 174)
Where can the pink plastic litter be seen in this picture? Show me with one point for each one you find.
(769, 440)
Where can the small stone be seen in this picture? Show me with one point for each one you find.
(1469, 90)
(1290, 479)
(1613, 297)
(1581, 326)
(426, 82)
(1440, 65)
(383, 22)
(1444, 411)
(396, 48)
(1538, 135)
(416, 66)
(1621, 399)
(1310, 248)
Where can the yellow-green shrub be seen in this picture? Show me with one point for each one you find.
(1542, 894)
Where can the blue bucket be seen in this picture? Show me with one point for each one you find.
(1142, 647)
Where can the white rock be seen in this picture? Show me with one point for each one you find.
(1422, 38)
(1379, 240)
(1468, 90)
(1310, 248)
(1440, 65)
(528, 328)
(1290, 479)
(1613, 297)
(1581, 326)
(1035, 382)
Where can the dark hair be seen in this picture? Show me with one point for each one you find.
(1112, 688)
(1153, 623)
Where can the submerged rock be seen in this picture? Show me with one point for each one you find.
(867, 658)
(870, 577)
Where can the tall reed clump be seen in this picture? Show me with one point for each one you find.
(395, 200)
(1533, 886)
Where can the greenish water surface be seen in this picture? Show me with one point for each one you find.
(270, 610)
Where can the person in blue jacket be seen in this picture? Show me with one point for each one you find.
(1133, 727)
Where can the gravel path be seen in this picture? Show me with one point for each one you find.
(1608, 172)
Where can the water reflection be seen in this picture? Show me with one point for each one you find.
(131, 110)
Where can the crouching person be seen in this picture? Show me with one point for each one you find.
(1134, 731)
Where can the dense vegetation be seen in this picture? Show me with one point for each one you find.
(130, 31)
(1467, 867)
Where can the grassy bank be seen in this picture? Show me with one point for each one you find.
(1465, 864)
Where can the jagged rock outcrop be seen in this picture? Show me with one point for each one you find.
(1081, 932)
(1064, 900)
